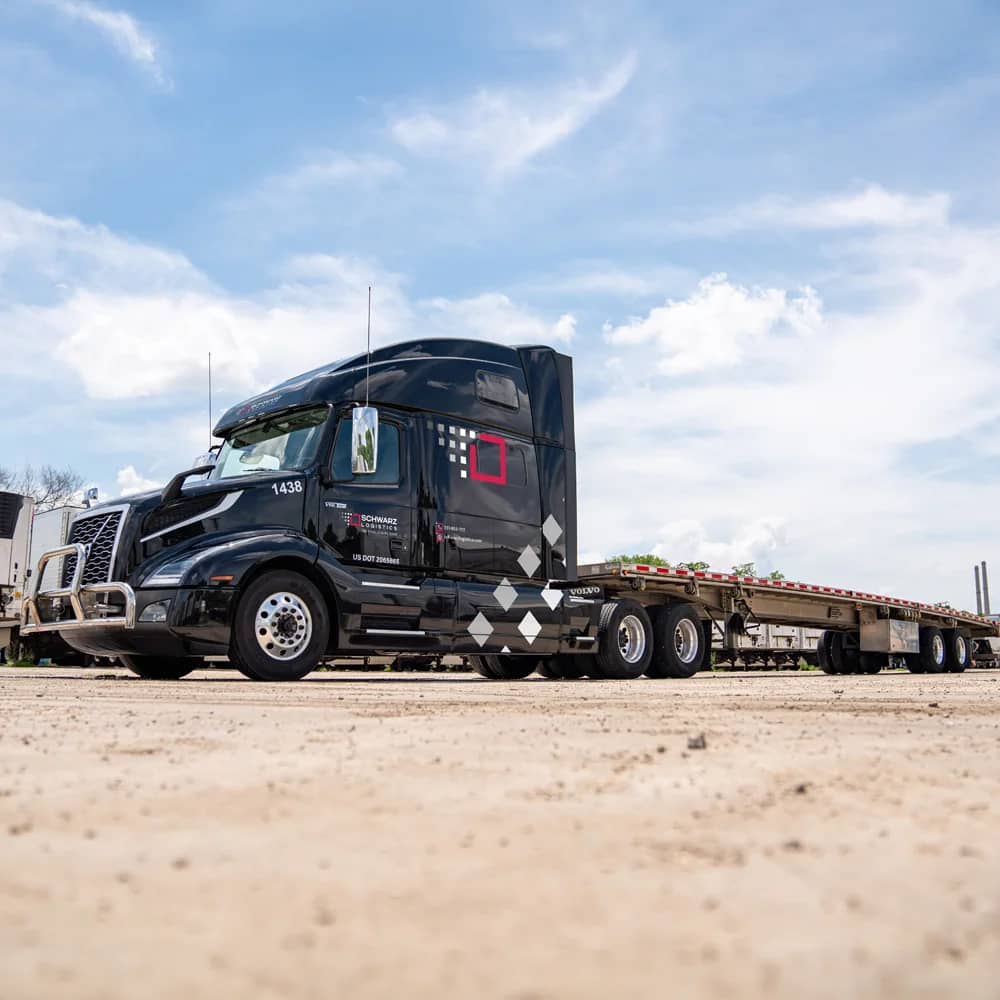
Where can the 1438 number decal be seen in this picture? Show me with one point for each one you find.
(288, 486)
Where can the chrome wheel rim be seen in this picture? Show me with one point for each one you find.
(687, 640)
(631, 639)
(283, 625)
(937, 649)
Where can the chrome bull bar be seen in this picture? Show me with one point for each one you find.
(31, 620)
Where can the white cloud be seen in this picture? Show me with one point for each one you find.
(871, 207)
(291, 197)
(121, 29)
(493, 316)
(505, 129)
(719, 325)
(859, 456)
(131, 482)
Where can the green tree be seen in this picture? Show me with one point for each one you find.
(644, 559)
(745, 569)
(776, 574)
(697, 567)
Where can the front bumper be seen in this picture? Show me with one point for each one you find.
(197, 623)
(31, 619)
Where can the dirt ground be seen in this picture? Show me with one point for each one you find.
(443, 836)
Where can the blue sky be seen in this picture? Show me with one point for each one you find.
(768, 236)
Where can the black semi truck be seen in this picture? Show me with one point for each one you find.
(437, 516)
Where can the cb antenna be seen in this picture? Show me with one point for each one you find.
(209, 399)
(368, 367)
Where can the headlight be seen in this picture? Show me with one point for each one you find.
(170, 574)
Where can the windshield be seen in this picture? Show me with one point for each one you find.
(275, 444)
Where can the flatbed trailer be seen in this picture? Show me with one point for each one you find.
(861, 631)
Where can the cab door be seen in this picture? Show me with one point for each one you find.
(364, 519)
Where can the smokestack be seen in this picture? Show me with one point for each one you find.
(986, 591)
(979, 593)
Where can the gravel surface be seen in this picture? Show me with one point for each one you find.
(789, 835)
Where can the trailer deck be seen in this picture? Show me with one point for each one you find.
(777, 601)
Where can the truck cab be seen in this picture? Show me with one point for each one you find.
(420, 499)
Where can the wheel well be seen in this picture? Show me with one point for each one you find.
(304, 568)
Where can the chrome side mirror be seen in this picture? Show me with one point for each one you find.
(364, 439)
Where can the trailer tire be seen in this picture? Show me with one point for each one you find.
(823, 654)
(160, 668)
(845, 653)
(280, 629)
(933, 650)
(958, 650)
(511, 668)
(625, 643)
(679, 644)
(871, 663)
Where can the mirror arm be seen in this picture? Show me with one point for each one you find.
(173, 489)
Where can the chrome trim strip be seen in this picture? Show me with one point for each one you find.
(220, 508)
(392, 631)
(392, 586)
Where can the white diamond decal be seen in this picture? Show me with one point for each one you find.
(480, 628)
(551, 530)
(551, 597)
(529, 627)
(529, 561)
(505, 594)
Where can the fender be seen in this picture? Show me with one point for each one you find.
(227, 563)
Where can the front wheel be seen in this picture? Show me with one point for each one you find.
(509, 668)
(160, 668)
(280, 629)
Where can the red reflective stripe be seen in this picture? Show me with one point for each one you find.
(642, 569)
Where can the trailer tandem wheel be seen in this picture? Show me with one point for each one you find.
(933, 650)
(957, 650)
(823, 653)
(678, 642)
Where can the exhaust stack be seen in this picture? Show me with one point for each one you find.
(986, 591)
(979, 592)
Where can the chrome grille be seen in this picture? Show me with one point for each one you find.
(99, 535)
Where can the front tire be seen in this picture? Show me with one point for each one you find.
(280, 629)
(160, 668)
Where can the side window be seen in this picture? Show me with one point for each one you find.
(496, 389)
(387, 463)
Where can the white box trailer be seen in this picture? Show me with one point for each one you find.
(25, 534)
(15, 540)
